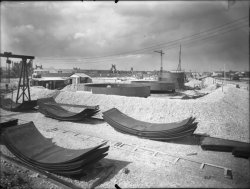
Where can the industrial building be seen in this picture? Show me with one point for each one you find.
(177, 77)
(78, 78)
(51, 80)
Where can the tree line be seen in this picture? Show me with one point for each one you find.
(15, 70)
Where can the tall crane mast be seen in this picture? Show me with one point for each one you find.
(161, 52)
(179, 65)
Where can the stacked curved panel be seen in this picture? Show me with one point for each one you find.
(32, 148)
(238, 149)
(9, 105)
(4, 123)
(153, 131)
(50, 108)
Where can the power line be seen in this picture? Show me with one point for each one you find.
(212, 36)
(170, 46)
(163, 44)
(150, 48)
(166, 44)
(185, 44)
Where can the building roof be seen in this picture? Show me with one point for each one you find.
(41, 70)
(177, 71)
(79, 75)
(62, 75)
(49, 79)
(65, 70)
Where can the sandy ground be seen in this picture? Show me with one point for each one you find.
(223, 114)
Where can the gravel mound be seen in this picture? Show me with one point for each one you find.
(193, 82)
(37, 92)
(220, 113)
(208, 81)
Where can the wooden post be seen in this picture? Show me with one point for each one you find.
(11, 98)
(28, 83)
(224, 76)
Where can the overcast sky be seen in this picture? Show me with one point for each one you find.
(94, 35)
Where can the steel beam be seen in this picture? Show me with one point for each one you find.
(10, 55)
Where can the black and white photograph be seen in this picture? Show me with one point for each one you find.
(124, 94)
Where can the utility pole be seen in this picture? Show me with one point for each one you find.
(179, 66)
(223, 78)
(8, 62)
(161, 58)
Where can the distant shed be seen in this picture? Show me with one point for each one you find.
(51, 80)
(80, 78)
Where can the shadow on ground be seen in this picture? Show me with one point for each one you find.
(34, 110)
(100, 172)
(194, 139)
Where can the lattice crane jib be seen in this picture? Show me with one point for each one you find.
(23, 91)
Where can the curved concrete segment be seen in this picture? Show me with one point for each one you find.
(50, 108)
(157, 86)
(154, 131)
(9, 105)
(242, 152)
(36, 150)
(135, 90)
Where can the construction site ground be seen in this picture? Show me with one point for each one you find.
(141, 163)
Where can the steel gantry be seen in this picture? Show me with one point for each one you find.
(23, 84)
